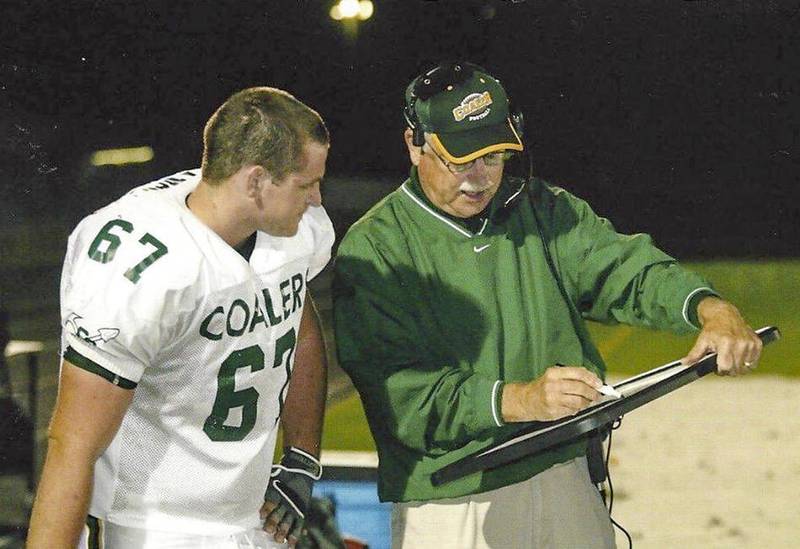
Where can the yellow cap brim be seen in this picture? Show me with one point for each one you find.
(461, 147)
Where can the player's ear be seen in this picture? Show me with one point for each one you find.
(256, 177)
(414, 152)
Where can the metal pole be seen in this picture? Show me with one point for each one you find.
(33, 390)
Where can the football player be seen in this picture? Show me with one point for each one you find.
(189, 336)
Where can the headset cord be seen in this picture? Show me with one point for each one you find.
(614, 426)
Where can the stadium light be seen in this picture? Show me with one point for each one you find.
(365, 9)
(120, 157)
(351, 9)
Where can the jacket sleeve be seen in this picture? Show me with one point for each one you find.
(409, 395)
(614, 277)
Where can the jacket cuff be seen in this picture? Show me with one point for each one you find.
(497, 403)
(486, 411)
(692, 301)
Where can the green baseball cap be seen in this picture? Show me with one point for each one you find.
(468, 118)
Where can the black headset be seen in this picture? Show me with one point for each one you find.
(435, 81)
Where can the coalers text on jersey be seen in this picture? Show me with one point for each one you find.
(242, 316)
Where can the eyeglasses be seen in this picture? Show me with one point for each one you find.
(491, 159)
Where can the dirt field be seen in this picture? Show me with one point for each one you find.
(714, 464)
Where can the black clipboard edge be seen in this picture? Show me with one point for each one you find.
(577, 426)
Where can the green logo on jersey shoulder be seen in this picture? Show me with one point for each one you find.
(103, 335)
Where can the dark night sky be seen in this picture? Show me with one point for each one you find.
(672, 117)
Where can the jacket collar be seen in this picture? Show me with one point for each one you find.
(508, 196)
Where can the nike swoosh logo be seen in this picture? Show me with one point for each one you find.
(479, 249)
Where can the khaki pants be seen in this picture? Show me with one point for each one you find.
(559, 508)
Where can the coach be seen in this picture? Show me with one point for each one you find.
(456, 297)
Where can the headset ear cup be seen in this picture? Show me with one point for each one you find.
(417, 135)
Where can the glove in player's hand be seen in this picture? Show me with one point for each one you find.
(288, 495)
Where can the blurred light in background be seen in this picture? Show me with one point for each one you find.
(120, 157)
(350, 9)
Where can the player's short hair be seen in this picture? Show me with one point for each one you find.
(261, 126)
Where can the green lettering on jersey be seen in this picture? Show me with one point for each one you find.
(273, 320)
(206, 321)
(238, 303)
(286, 295)
(258, 316)
(297, 287)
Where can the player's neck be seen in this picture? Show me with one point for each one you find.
(217, 208)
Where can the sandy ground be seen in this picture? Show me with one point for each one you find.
(713, 464)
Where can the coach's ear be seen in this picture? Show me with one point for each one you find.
(414, 152)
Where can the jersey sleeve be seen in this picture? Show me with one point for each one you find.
(118, 289)
(615, 277)
(410, 395)
(323, 235)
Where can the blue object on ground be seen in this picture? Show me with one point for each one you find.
(358, 511)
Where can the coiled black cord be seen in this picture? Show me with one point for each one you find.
(614, 426)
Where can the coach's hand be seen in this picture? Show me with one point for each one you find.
(726, 333)
(288, 495)
(560, 392)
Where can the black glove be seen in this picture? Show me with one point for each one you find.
(289, 490)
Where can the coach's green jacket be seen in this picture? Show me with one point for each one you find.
(433, 314)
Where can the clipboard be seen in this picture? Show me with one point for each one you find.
(539, 436)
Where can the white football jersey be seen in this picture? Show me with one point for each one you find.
(152, 298)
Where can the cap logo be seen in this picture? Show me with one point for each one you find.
(471, 104)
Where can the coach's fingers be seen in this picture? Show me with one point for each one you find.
(753, 354)
(701, 347)
(726, 363)
(576, 373)
(725, 331)
(542, 399)
(588, 393)
(740, 358)
(554, 389)
(579, 382)
(747, 353)
(575, 403)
